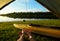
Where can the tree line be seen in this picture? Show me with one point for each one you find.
(36, 15)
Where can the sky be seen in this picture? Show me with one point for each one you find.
(23, 6)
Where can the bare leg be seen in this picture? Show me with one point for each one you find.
(21, 36)
(28, 34)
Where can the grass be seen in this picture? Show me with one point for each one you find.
(9, 33)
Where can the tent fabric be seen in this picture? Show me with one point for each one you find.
(3, 3)
(52, 5)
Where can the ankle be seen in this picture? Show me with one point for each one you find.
(30, 37)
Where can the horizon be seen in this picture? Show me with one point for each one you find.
(25, 12)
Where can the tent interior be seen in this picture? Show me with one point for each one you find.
(3, 3)
(52, 5)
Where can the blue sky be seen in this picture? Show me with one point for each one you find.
(23, 6)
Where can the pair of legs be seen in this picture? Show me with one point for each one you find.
(25, 35)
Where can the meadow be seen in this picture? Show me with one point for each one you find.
(9, 33)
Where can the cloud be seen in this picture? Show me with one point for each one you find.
(7, 9)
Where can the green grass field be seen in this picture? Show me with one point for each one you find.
(9, 33)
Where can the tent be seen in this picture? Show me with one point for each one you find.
(3, 3)
(52, 5)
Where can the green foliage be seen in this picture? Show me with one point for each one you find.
(36, 15)
(9, 33)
